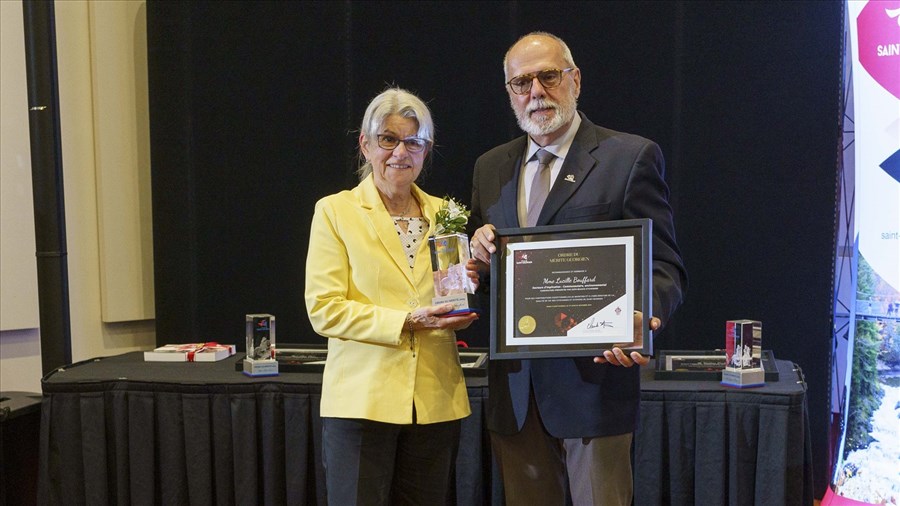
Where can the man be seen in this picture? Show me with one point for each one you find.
(566, 425)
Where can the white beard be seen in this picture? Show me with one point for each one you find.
(564, 112)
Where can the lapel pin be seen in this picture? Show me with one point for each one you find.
(570, 178)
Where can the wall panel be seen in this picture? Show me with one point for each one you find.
(18, 270)
(122, 159)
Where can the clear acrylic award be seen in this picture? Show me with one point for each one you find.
(743, 353)
(260, 334)
(449, 253)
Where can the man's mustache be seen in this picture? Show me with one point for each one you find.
(541, 104)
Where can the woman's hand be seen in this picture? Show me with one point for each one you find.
(429, 317)
(475, 269)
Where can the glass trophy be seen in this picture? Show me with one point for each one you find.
(449, 254)
(260, 332)
(743, 354)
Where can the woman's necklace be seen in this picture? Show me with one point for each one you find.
(402, 216)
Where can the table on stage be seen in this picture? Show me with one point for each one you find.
(703, 443)
(118, 430)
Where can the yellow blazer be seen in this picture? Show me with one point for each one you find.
(359, 289)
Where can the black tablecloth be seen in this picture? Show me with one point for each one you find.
(703, 443)
(118, 430)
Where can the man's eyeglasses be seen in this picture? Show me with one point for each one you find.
(412, 144)
(549, 78)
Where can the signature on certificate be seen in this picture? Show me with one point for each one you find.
(593, 324)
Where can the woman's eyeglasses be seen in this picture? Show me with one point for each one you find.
(412, 144)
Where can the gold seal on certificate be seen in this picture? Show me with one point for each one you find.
(527, 324)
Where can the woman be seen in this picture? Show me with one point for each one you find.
(393, 391)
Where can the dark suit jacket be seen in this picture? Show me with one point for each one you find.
(617, 176)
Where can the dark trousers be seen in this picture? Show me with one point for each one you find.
(375, 463)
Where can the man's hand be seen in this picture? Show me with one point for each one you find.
(618, 357)
(482, 243)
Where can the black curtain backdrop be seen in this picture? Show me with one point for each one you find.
(255, 109)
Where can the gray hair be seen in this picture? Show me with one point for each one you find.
(566, 53)
(390, 102)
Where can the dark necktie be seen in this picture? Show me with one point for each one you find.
(540, 186)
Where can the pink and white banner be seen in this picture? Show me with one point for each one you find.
(867, 470)
(875, 41)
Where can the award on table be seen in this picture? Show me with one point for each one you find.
(743, 352)
(260, 333)
(449, 248)
(571, 290)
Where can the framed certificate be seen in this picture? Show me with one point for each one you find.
(571, 290)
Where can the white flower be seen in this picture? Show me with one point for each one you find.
(451, 218)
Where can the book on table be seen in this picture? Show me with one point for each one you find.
(190, 352)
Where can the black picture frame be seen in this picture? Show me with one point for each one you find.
(577, 300)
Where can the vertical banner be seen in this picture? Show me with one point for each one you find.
(868, 457)
(875, 29)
